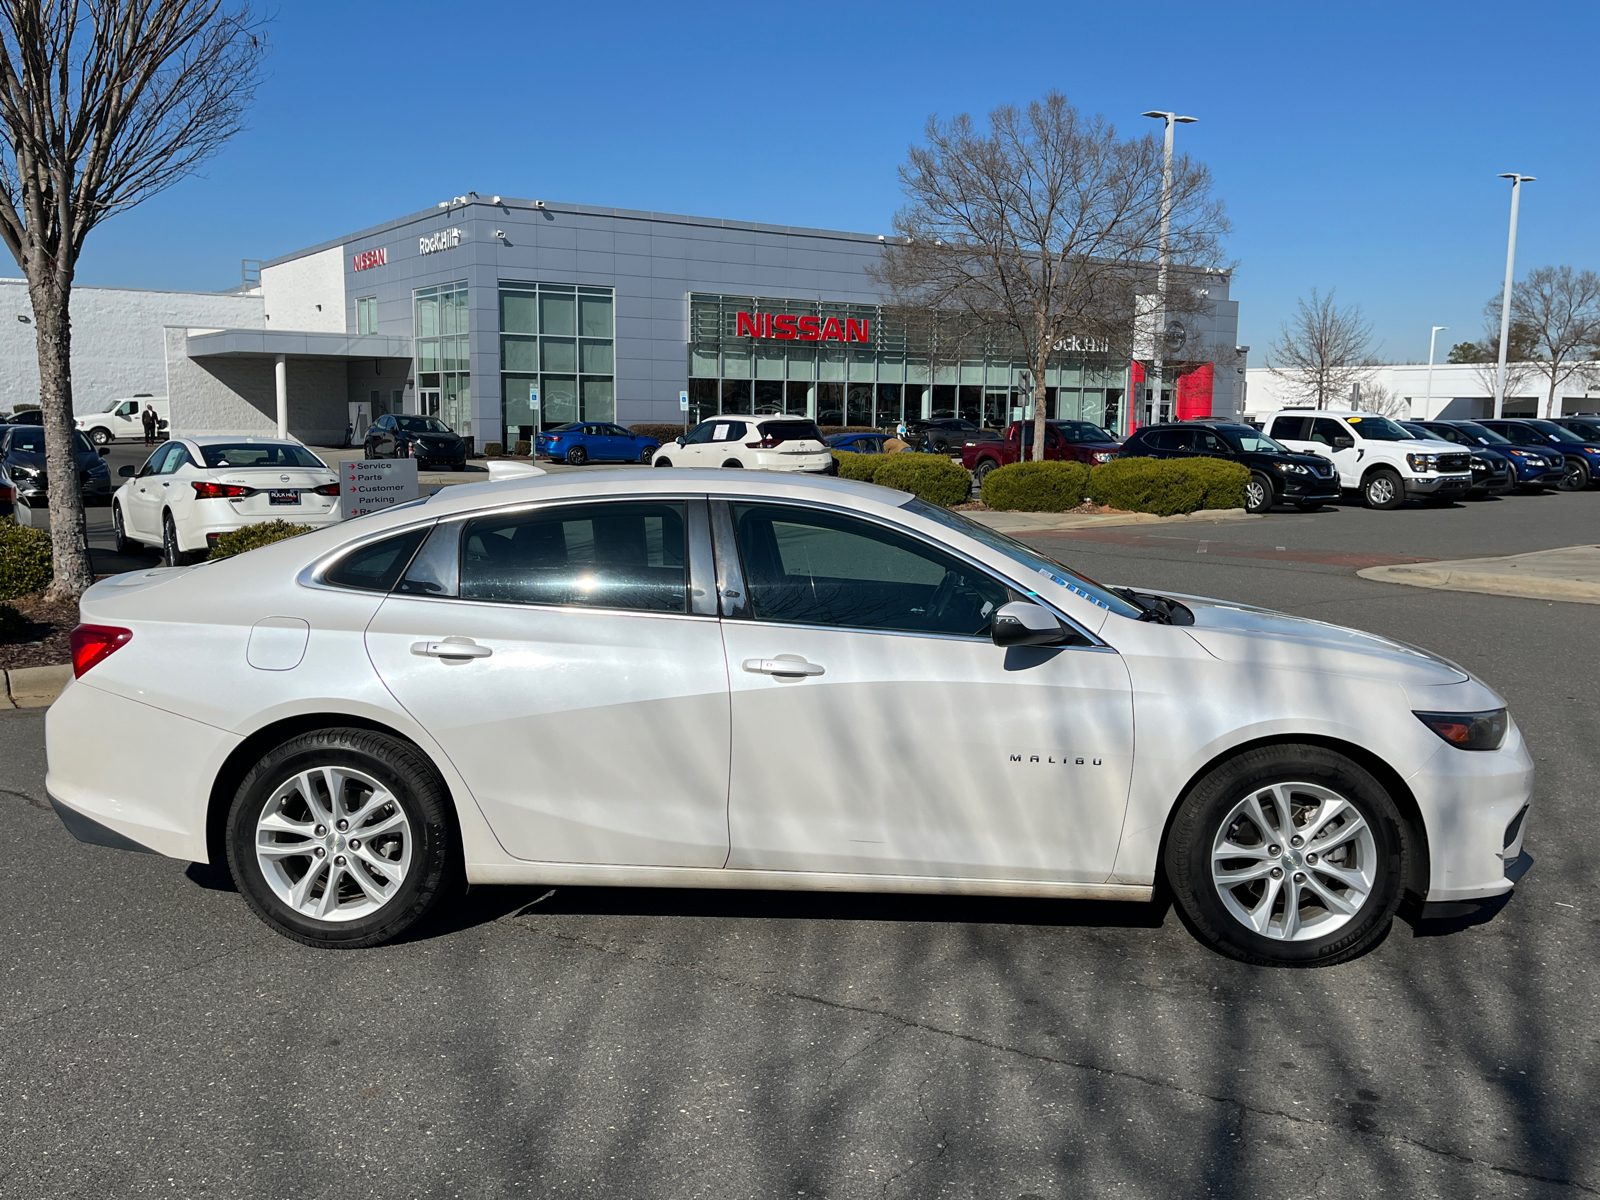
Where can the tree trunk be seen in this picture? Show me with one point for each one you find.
(68, 530)
(1042, 356)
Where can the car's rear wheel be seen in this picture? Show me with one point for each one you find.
(1575, 476)
(1258, 493)
(661, 462)
(1290, 855)
(982, 472)
(119, 532)
(171, 553)
(646, 454)
(1383, 489)
(577, 456)
(343, 838)
(733, 462)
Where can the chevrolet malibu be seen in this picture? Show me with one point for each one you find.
(798, 683)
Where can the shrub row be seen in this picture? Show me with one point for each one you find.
(934, 479)
(25, 560)
(253, 537)
(1161, 486)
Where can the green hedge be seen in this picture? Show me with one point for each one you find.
(928, 476)
(857, 466)
(253, 537)
(523, 448)
(662, 433)
(1168, 486)
(1036, 486)
(25, 560)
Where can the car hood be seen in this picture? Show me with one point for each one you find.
(1238, 633)
(1432, 446)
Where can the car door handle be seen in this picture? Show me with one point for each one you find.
(451, 647)
(784, 664)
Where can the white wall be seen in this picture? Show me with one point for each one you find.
(118, 347)
(231, 395)
(1459, 392)
(306, 293)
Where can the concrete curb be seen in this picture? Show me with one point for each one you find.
(1541, 575)
(36, 687)
(1026, 522)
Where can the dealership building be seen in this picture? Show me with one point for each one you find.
(501, 316)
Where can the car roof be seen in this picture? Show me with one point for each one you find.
(215, 439)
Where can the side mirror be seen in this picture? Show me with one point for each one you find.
(105, 451)
(1344, 443)
(1024, 623)
(128, 471)
(681, 441)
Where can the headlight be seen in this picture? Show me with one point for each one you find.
(26, 472)
(1289, 468)
(1102, 456)
(1469, 731)
(1423, 462)
(1482, 464)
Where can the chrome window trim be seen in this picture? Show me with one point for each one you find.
(726, 503)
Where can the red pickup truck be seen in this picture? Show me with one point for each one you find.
(1079, 441)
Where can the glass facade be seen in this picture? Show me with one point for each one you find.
(909, 366)
(560, 341)
(444, 381)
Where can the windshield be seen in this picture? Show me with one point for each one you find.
(1027, 557)
(422, 425)
(1082, 431)
(260, 454)
(1251, 441)
(1589, 429)
(1556, 432)
(111, 405)
(1379, 429)
(1482, 434)
(29, 439)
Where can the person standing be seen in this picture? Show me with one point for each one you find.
(148, 416)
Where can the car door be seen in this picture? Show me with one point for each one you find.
(143, 513)
(568, 659)
(877, 730)
(1333, 440)
(1209, 445)
(693, 452)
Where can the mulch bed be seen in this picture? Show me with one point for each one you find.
(44, 642)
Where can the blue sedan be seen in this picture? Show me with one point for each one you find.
(597, 441)
(858, 443)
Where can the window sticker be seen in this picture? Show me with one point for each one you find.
(1073, 588)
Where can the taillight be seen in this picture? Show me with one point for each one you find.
(768, 443)
(327, 489)
(92, 643)
(221, 491)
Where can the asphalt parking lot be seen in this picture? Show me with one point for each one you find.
(606, 1043)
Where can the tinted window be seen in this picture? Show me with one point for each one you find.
(376, 566)
(1325, 430)
(152, 464)
(27, 438)
(1208, 443)
(818, 568)
(1518, 435)
(728, 431)
(701, 433)
(1589, 429)
(1445, 433)
(1243, 438)
(422, 425)
(1169, 439)
(1292, 429)
(627, 554)
(1481, 434)
(259, 454)
(791, 431)
(1081, 431)
(1555, 433)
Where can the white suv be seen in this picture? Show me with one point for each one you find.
(775, 443)
(1375, 456)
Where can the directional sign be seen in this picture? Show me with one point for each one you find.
(367, 486)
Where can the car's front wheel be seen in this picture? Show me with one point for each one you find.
(1258, 493)
(100, 436)
(646, 454)
(343, 838)
(1288, 855)
(982, 472)
(1575, 475)
(661, 462)
(1383, 489)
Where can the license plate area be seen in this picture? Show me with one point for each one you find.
(289, 496)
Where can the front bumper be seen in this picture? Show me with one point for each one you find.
(1439, 485)
(1475, 805)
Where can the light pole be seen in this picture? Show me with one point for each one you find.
(1160, 315)
(1505, 300)
(1427, 411)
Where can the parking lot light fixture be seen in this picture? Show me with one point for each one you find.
(1505, 296)
(1171, 119)
(1427, 411)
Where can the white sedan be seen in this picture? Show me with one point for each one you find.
(711, 679)
(193, 490)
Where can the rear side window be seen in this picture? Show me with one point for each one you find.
(790, 431)
(377, 566)
(1290, 428)
(623, 554)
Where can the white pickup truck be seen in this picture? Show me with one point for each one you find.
(121, 419)
(1375, 457)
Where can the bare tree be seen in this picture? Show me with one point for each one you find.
(1483, 355)
(1046, 224)
(1322, 350)
(103, 103)
(1556, 312)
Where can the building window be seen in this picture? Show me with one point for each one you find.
(444, 384)
(557, 341)
(366, 314)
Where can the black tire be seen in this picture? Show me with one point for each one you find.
(577, 456)
(1196, 828)
(171, 554)
(982, 472)
(101, 436)
(1258, 496)
(119, 533)
(661, 462)
(435, 873)
(733, 462)
(1575, 477)
(646, 455)
(1383, 490)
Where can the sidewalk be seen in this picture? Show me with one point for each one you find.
(1571, 573)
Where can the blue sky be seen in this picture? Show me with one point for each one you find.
(1355, 145)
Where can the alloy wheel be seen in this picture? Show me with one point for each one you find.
(1294, 861)
(333, 843)
(1257, 496)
